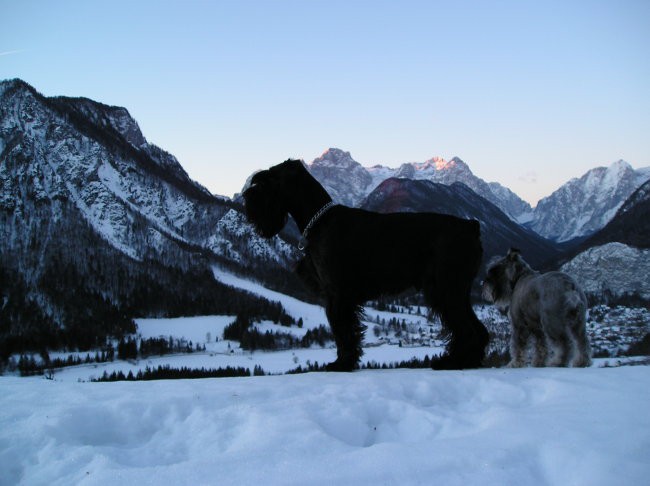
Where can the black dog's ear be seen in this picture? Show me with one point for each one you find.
(287, 165)
(294, 162)
(261, 177)
(258, 181)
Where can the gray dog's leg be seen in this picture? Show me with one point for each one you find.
(541, 348)
(578, 332)
(561, 344)
(518, 343)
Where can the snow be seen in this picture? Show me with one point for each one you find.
(614, 267)
(585, 205)
(494, 426)
(312, 315)
(219, 355)
(233, 227)
(191, 328)
(530, 426)
(141, 200)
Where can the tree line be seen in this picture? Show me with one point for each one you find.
(166, 372)
(251, 339)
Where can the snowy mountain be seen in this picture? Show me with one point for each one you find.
(584, 205)
(83, 155)
(615, 261)
(612, 271)
(346, 181)
(631, 224)
(99, 225)
(349, 183)
(498, 231)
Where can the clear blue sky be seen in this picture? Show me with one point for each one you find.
(528, 93)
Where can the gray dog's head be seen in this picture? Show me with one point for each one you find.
(502, 276)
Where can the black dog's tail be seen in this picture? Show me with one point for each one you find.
(475, 245)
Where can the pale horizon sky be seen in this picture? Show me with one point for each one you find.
(529, 94)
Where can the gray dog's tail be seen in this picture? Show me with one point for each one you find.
(575, 308)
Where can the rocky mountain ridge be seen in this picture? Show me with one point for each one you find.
(586, 204)
(498, 231)
(577, 209)
(612, 271)
(348, 182)
(612, 264)
(98, 226)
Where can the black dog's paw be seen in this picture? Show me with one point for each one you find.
(444, 362)
(450, 362)
(341, 365)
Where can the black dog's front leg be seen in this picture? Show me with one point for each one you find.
(345, 321)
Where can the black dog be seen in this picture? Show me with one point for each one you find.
(352, 256)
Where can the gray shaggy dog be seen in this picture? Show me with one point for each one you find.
(549, 309)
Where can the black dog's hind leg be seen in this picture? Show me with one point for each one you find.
(345, 321)
(448, 292)
(468, 337)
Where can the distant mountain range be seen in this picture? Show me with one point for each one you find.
(349, 183)
(498, 231)
(615, 261)
(99, 226)
(577, 209)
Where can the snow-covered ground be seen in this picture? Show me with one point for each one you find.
(380, 427)
(611, 330)
(274, 362)
(207, 331)
(312, 315)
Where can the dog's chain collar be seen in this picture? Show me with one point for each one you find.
(302, 244)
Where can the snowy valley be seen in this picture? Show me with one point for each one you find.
(102, 227)
(529, 426)
(116, 270)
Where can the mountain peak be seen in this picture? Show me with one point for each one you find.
(15, 83)
(620, 163)
(348, 182)
(435, 165)
(334, 157)
(584, 205)
(344, 178)
(336, 152)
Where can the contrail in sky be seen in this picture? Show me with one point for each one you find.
(7, 53)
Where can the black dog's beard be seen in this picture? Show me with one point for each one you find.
(263, 211)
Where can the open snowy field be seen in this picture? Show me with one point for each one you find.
(389, 427)
(377, 427)
(276, 362)
(207, 331)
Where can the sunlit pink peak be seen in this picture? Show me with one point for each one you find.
(334, 152)
(437, 163)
